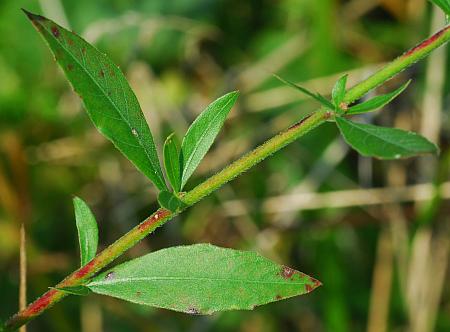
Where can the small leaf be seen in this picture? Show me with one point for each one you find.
(75, 290)
(107, 96)
(87, 230)
(443, 4)
(172, 162)
(169, 201)
(202, 133)
(202, 279)
(383, 143)
(338, 92)
(325, 102)
(376, 102)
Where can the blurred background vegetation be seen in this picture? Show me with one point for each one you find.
(375, 233)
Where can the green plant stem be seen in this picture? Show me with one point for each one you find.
(401, 63)
(274, 144)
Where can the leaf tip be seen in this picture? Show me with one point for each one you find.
(437, 150)
(170, 137)
(33, 17)
(278, 77)
(314, 283)
(77, 200)
(234, 94)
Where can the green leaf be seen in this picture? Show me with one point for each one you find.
(202, 279)
(376, 102)
(202, 133)
(383, 143)
(325, 102)
(109, 100)
(75, 290)
(172, 162)
(338, 93)
(170, 201)
(443, 4)
(87, 230)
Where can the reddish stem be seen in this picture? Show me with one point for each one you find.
(81, 275)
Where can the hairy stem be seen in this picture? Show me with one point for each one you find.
(271, 146)
(408, 58)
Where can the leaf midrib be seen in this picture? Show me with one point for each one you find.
(169, 278)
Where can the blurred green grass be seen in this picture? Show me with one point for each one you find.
(180, 55)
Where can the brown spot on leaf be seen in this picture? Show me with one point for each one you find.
(55, 31)
(317, 283)
(70, 41)
(314, 283)
(101, 73)
(138, 293)
(278, 297)
(70, 67)
(83, 50)
(287, 272)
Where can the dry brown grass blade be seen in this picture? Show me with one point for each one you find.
(381, 285)
(23, 273)
(344, 198)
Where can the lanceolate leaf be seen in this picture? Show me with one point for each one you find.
(338, 92)
(172, 162)
(170, 201)
(383, 143)
(444, 5)
(202, 133)
(87, 230)
(325, 102)
(202, 279)
(109, 100)
(376, 102)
